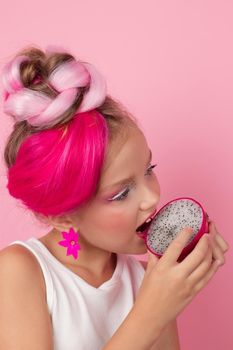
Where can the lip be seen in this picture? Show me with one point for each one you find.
(142, 235)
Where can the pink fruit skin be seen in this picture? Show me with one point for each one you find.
(203, 229)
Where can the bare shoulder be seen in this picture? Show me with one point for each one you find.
(15, 251)
(22, 301)
(17, 259)
(144, 264)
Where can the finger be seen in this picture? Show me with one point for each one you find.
(213, 269)
(220, 240)
(175, 248)
(223, 244)
(217, 250)
(212, 228)
(208, 219)
(199, 273)
(152, 258)
(151, 262)
(197, 255)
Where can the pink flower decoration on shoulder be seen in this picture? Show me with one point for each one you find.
(70, 242)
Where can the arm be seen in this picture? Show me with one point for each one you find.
(169, 337)
(24, 318)
(135, 333)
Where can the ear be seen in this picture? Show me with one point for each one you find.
(61, 223)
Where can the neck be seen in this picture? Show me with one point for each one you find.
(90, 258)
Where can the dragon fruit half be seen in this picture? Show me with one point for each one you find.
(171, 219)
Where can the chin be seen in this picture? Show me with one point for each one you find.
(133, 250)
(142, 251)
(138, 250)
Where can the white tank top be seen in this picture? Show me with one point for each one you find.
(85, 317)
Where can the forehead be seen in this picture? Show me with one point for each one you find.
(123, 156)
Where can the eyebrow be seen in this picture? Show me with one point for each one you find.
(128, 180)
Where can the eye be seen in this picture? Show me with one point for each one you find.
(122, 195)
(150, 169)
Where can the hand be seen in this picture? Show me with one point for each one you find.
(219, 245)
(168, 286)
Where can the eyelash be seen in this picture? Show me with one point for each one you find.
(125, 193)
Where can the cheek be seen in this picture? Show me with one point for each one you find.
(117, 221)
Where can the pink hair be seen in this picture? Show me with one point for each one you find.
(67, 78)
(57, 170)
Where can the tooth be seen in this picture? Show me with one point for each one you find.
(148, 220)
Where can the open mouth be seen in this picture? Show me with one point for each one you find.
(143, 227)
(142, 230)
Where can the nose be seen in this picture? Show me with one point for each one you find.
(150, 199)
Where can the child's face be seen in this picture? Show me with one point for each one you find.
(110, 221)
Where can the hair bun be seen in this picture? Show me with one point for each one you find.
(11, 79)
(67, 78)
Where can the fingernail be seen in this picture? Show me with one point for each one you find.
(189, 229)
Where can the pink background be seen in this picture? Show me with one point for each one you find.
(170, 63)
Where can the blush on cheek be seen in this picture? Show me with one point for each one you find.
(117, 222)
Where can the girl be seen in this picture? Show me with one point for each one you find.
(80, 163)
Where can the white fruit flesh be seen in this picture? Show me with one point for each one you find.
(168, 223)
